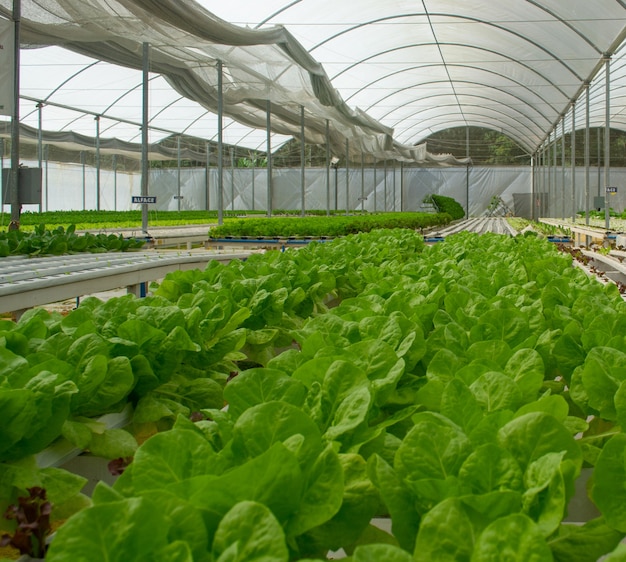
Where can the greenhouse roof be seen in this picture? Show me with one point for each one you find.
(384, 74)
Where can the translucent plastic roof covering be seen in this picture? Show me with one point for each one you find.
(385, 73)
(421, 67)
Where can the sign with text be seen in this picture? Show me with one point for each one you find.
(144, 198)
(611, 189)
(7, 64)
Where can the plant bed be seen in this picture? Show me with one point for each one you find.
(61, 241)
(315, 227)
(459, 389)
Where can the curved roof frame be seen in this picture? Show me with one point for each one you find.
(514, 131)
(503, 91)
(568, 100)
(65, 83)
(479, 115)
(391, 74)
(489, 119)
(117, 100)
(531, 59)
(597, 93)
(533, 2)
(526, 145)
(476, 20)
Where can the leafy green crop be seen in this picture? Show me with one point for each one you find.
(325, 226)
(458, 389)
(92, 219)
(448, 205)
(62, 241)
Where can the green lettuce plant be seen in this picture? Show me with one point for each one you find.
(59, 241)
(376, 377)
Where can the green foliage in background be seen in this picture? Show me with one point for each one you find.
(61, 241)
(448, 205)
(326, 226)
(93, 220)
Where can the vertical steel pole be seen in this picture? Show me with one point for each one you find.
(544, 180)
(563, 168)
(253, 186)
(40, 133)
(467, 201)
(375, 181)
(347, 176)
(549, 173)
(115, 182)
(327, 167)
(97, 120)
(538, 194)
(336, 186)
(302, 161)
(401, 186)
(83, 164)
(362, 183)
(467, 155)
(607, 142)
(533, 190)
(587, 155)
(556, 164)
(269, 158)
(220, 145)
(40, 139)
(145, 168)
(393, 208)
(144, 136)
(14, 182)
(178, 172)
(573, 155)
(385, 186)
(46, 154)
(599, 159)
(550, 177)
(538, 186)
(232, 178)
(207, 180)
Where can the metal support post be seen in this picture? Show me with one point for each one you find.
(269, 158)
(220, 145)
(607, 142)
(14, 183)
(302, 162)
(347, 176)
(144, 136)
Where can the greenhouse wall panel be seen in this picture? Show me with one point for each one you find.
(74, 187)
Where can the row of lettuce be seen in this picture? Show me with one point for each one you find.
(90, 219)
(58, 240)
(326, 227)
(458, 389)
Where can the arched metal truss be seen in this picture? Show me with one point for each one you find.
(384, 75)
(566, 43)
